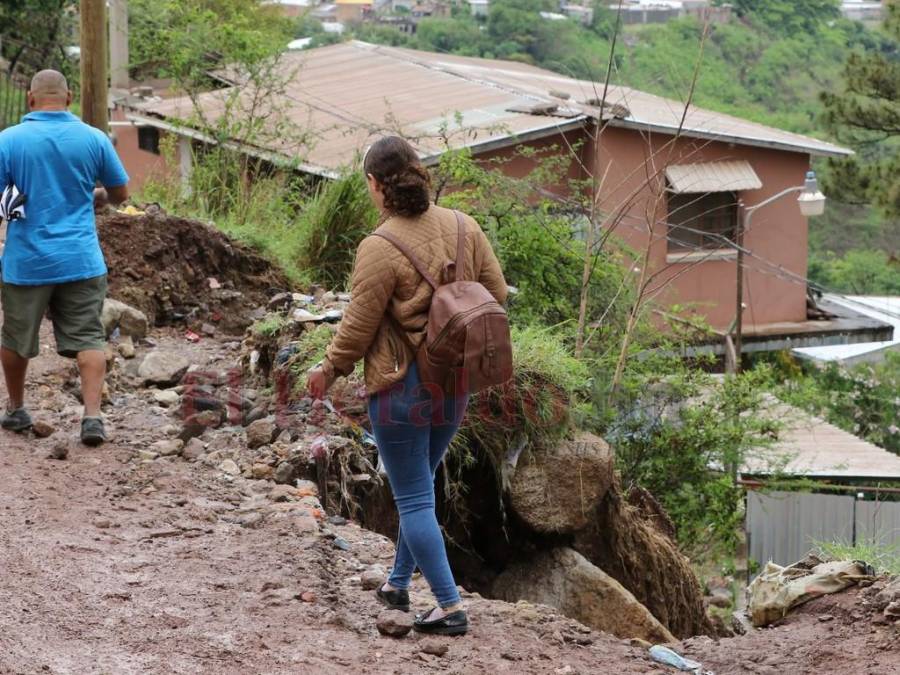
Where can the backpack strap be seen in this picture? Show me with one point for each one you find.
(406, 251)
(460, 247)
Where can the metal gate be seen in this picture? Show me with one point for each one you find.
(784, 526)
(13, 100)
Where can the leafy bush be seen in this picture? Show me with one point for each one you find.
(864, 400)
(858, 271)
(537, 243)
(338, 216)
(682, 436)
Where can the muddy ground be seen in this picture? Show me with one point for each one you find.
(113, 564)
(176, 269)
(116, 564)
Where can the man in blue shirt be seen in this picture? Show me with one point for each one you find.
(52, 258)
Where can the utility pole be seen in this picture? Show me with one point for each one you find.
(739, 308)
(118, 44)
(94, 88)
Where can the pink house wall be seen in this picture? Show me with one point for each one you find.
(140, 164)
(778, 232)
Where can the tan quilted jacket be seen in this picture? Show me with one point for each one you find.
(385, 281)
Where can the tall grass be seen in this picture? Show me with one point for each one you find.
(883, 556)
(337, 217)
(539, 405)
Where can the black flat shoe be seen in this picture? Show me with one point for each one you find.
(455, 623)
(393, 599)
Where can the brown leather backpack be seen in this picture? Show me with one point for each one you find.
(467, 344)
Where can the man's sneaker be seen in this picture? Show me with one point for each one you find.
(16, 420)
(92, 431)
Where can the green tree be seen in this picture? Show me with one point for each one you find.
(858, 271)
(185, 39)
(34, 33)
(866, 114)
(789, 17)
(460, 36)
(200, 43)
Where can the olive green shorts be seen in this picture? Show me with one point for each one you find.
(75, 309)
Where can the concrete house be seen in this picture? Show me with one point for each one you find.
(674, 180)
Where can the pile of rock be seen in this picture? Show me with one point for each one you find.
(561, 492)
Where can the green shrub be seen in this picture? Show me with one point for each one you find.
(858, 271)
(864, 399)
(682, 436)
(338, 216)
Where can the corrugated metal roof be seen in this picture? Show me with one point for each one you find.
(811, 447)
(731, 176)
(885, 309)
(345, 95)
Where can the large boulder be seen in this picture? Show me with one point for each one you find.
(163, 368)
(631, 539)
(558, 489)
(566, 580)
(130, 321)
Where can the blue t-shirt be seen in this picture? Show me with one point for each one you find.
(55, 160)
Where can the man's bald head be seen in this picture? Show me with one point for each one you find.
(49, 91)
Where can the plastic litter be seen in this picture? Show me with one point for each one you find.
(302, 316)
(333, 315)
(668, 657)
(779, 589)
(191, 336)
(285, 353)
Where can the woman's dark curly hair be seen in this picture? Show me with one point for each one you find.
(404, 181)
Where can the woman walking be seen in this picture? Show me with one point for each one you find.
(385, 323)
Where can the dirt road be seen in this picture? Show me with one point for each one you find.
(114, 564)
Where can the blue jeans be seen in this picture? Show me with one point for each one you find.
(412, 436)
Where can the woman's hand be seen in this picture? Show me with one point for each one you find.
(318, 382)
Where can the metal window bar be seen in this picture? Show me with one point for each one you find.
(13, 100)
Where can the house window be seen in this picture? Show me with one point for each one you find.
(702, 220)
(148, 139)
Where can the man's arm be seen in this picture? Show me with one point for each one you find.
(113, 177)
(105, 196)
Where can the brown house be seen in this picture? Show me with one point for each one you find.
(673, 180)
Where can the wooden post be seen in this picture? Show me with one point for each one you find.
(94, 88)
(118, 44)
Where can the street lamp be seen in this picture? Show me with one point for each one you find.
(811, 202)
